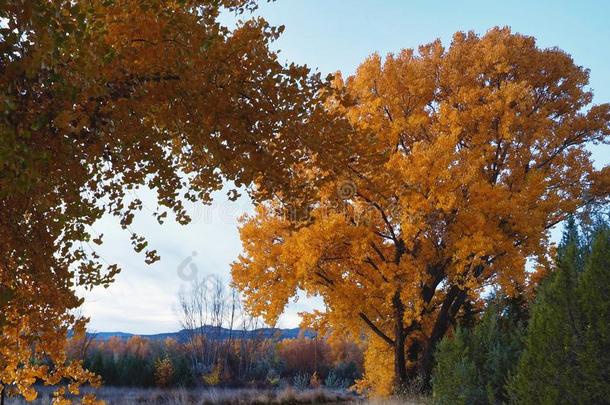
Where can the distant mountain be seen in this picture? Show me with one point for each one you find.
(213, 332)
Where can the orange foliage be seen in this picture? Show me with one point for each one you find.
(345, 351)
(138, 346)
(164, 371)
(454, 163)
(303, 355)
(379, 369)
(98, 98)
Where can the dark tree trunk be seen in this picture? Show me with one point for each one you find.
(400, 363)
(451, 305)
(427, 363)
(453, 301)
(467, 320)
(2, 396)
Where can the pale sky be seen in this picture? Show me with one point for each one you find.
(329, 35)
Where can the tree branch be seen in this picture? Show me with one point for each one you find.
(375, 329)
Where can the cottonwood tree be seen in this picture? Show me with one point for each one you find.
(455, 165)
(99, 98)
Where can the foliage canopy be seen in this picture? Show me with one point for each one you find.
(98, 98)
(455, 162)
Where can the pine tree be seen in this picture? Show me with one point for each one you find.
(566, 358)
(454, 380)
(547, 365)
(473, 366)
(594, 302)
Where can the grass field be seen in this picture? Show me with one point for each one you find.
(133, 396)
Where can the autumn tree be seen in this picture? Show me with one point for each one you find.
(164, 371)
(454, 166)
(99, 98)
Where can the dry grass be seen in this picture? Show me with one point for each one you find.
(413, 400)
(133, 396)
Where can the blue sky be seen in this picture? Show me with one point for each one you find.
(328, 35)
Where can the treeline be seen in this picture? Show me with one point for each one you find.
(553, 350)
(254, 362)
(222, 345)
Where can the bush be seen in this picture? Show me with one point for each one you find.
(334, 380)
(304, 355)
(273, 378)
(314, 381)
(472, 367)
(213, 377)
(164, 372)
(301, 381)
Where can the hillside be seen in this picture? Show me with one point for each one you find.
(213, 332)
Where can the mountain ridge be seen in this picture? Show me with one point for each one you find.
(212, 332)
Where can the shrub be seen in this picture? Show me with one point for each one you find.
(213, 378)
(273, 378)
(304, 355)
(301, 381)
(472, 367)
(314, 381)
(334, 381)
(164, 372)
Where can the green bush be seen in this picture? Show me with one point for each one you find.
(472, 366)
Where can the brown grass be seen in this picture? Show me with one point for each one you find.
(140, 396)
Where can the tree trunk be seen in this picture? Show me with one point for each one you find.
(427, 363)
(2, 396)
(400, 364)
(451, 305)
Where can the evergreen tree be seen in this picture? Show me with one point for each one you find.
(565, 360)
(571, 247)
(473, 366)
(594, 302)
(454, 380)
